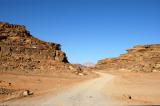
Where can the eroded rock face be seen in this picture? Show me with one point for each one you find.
(19, 50)
(144, 58)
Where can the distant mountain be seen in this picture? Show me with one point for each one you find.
(89, 64)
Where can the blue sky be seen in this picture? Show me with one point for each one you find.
(88, 30)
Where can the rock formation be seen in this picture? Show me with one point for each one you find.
(144, 58)
(20, 51)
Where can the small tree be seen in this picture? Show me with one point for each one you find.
(58, 46)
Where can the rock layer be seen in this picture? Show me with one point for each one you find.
(19, 50)
(144, 58)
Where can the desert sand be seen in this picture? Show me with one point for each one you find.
(106, 89)
(40, 85)
(134, 88)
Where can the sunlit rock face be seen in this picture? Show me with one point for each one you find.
(19, 50)
(143, 58)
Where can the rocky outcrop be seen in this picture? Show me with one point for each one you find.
(144, 58)
(20, 51)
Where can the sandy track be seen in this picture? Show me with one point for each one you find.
(89, 93)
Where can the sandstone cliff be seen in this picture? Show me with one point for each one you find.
(20, 51)
(144, 58)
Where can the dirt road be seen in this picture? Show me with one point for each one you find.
(89, 93)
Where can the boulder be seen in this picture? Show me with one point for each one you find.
(127, 96)
(27, 93)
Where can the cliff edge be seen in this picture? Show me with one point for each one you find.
(20, 51)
